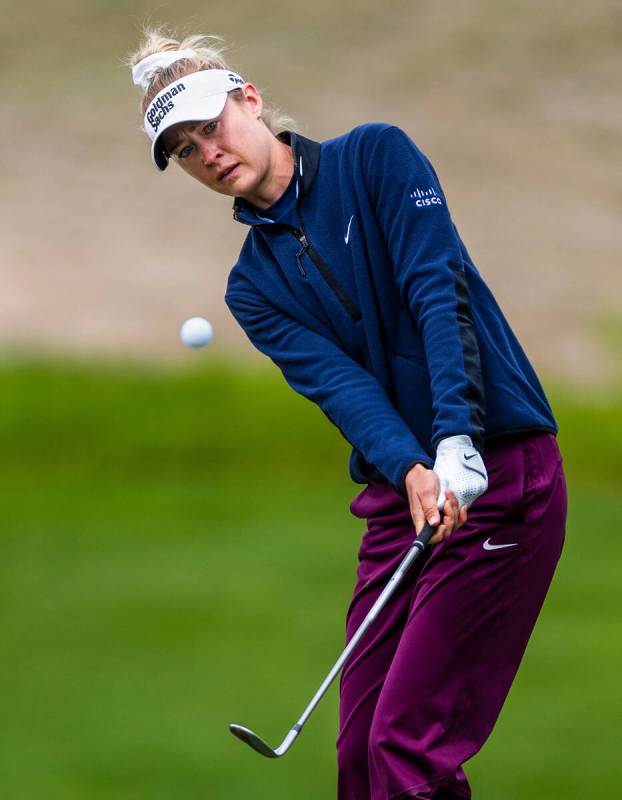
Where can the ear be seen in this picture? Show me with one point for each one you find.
(253, 98)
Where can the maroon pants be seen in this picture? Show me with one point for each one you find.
(423, 689)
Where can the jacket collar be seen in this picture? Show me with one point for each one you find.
(306, 155)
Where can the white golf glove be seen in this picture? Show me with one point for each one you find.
(460, 469)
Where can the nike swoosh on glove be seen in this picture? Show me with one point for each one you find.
(460, 468)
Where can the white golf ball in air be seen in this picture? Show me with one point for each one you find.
(196, 332)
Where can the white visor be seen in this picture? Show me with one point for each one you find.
(199, 96)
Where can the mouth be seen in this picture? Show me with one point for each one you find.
(228, 172)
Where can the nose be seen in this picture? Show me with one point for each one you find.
(209, 152)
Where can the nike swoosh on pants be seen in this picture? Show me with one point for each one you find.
(488, 546)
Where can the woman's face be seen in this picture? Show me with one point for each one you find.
(207, 150)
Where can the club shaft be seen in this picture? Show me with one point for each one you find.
(417, 546)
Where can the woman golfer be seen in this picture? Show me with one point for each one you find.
(353, 279)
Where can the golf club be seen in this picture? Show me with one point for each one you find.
(256, 742)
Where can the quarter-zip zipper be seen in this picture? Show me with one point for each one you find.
(324, 269)
(322, 266)
(334, 283)
(327, 274)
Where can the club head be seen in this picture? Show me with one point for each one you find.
(254, 741)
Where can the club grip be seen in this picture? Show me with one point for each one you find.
(426, 534)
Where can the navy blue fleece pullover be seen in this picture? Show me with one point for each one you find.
(357, 285)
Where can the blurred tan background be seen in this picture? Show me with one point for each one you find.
(517, 105)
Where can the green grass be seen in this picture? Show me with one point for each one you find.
(177, 554)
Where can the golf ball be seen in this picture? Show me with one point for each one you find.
(196, 332)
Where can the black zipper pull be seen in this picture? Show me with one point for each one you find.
(305, 246)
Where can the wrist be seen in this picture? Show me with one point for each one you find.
(417, 469)
(454, 442)
(413, 468)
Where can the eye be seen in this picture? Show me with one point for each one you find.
(184, 152)
(208, 129)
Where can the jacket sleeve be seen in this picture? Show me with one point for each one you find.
(425, 251)
(346, 392)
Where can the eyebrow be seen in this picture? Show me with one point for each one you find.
(173, 143)
(178, 135)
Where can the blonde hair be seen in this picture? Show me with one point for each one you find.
(208, 56)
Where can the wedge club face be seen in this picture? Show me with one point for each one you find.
(258, 744)
(254, 741)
